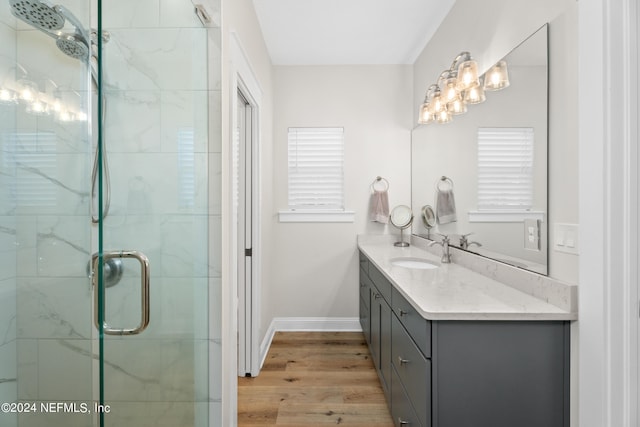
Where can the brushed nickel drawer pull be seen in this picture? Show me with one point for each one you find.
(402, 312)
(376, 296)
(403, 361)
(403, 422)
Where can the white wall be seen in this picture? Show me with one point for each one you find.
(489, 42)
(315, 264)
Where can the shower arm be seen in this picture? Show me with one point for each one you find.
(74, 21)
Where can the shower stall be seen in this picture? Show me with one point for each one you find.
(110, 143)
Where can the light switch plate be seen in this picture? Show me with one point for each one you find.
(566, 238)
(532, 234)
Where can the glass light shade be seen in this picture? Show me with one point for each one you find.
(451, 92)
(474, 95)
(436, 104)
(7, 96)
(425, 115)
(468, 75)
(457, 107)
(444, 116)
(497, 77)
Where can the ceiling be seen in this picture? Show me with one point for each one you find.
(332, 32)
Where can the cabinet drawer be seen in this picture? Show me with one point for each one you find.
(419, 328)
(401, 410)
(414, 371)
(381, 282)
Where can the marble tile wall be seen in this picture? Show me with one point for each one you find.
(8, 247)
(162, 129)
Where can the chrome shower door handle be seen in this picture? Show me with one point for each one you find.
(144, 292)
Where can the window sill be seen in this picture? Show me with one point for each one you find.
(504, 216)
(316, 216)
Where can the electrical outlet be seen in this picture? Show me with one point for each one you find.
(532, 234)
(566, 238)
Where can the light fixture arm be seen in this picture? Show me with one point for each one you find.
(462, 56)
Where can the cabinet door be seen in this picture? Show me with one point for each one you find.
(365, 321)
(385, 346)
(375, 326)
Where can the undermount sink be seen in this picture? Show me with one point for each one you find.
(414, 263)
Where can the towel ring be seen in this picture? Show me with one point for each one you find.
(384, 182)
(445, 180)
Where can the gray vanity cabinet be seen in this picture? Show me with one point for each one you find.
(376, 320)
(465, 373)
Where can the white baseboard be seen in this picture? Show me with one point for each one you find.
(311, 324)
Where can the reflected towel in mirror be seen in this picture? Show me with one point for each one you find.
(445, 206)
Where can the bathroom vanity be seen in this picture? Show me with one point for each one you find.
(455, 348)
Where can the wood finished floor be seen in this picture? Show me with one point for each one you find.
(314, 379)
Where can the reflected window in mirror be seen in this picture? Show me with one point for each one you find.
(505, 169)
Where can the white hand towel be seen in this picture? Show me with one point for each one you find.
(379, 207)
(445, 207)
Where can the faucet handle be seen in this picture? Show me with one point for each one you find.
(463, 238)
(445, 238)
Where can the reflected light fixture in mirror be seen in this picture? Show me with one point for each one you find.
(8, 96)
(497, 77)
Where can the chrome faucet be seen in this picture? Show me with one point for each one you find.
(446, 256)
(464, 243)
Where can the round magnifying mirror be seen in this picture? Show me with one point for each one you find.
(428, 217)
(401, 217)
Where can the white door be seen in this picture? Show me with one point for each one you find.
(247, 294)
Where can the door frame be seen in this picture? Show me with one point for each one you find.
(609, 224)
(243, 80)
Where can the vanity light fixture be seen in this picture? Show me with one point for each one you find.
(459, 86)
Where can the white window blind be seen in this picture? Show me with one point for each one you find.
(31, 158)
(505, 168)
(316, 168)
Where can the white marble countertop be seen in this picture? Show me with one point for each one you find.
(453, 292)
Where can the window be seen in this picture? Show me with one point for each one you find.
(316, 168)
(505, 169)
(315, 175)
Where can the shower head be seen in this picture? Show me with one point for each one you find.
(38, 13)
(73, 45)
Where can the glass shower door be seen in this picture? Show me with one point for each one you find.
(47, 344)
(157, 218)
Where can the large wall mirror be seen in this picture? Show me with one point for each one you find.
(471, 152)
